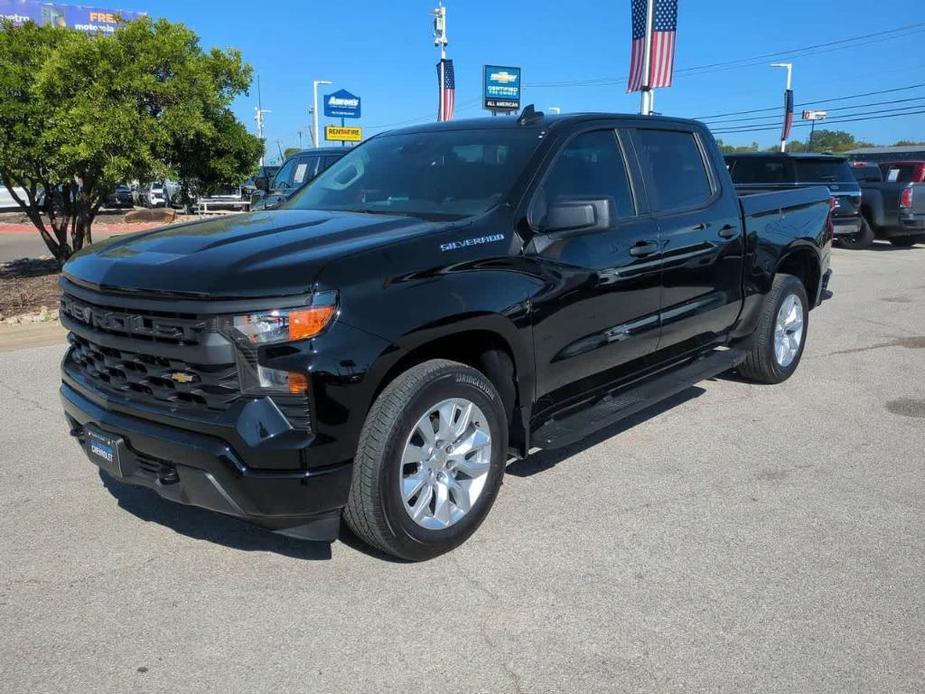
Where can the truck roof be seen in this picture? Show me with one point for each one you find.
(538, 121)
(786, 155)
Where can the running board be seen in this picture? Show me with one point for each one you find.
(559, 432)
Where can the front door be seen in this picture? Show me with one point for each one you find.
(598, 318)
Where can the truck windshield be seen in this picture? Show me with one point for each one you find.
(823, 171)
(439, 175)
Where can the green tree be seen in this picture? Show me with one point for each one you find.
(289, 151)
(80, 113)
(732, 149)
(907, 143)
(834, 141)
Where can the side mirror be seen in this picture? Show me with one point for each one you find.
(262, 183)
(577, 215)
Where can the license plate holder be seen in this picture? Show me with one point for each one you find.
(103, 449)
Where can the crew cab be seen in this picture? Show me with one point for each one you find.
(888, 191)
(442, 298)
(756, 172)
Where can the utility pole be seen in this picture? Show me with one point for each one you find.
(260, 111)
(300, 139)
(788, 105)
(441, 41)
(647, 104)
(315, 135)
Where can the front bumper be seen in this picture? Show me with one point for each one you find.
(201, 470)
(846, 225)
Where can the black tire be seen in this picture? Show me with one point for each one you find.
(374, 508)
(761, 365)
(859, 241)
(903, 242)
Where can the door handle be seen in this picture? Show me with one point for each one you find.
(643, 249)
(728, 231)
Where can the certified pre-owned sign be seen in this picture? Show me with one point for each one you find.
(501, 88)
(341, 104)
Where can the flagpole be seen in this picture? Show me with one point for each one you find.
(647, 93)
(441, 40)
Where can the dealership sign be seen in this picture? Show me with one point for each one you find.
(336, 133)
(79, 17)
(501, 88)
(341, 104)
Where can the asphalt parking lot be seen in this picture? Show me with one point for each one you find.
(737, 538)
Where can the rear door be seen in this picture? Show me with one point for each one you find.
(701, 238)
(599, 317)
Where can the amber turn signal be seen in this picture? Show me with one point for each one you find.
(308, 322)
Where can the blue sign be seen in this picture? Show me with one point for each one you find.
(341, 104)
(501, 88)
(79, 17)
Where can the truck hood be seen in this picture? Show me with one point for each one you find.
(261, 254)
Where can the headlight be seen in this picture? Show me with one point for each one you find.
(251, 331)
(286, 325)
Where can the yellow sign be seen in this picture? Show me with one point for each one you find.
(336, 133)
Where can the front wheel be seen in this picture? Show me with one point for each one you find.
(778, 341)
(430, 461)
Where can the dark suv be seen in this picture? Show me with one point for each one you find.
(762, 172)
(295, 172)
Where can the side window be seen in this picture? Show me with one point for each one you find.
(326, 162)
(674, 166)
(590, 166)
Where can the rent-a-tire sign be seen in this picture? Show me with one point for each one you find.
(501, 88)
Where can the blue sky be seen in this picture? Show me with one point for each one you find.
(383, 51)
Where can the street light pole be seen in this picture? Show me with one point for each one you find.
(315, 135)
(787, 101)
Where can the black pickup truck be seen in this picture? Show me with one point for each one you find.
(888, 191)
(761, 172)
(442, 298)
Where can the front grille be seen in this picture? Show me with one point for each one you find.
(161, 358)
(151, 326)
(154, 379)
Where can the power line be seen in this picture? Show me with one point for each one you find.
(841, 44)
(807, 124)
(811, 103)
(759, 120)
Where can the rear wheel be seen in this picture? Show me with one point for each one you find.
(430, 461)
(778, 340)
(859, 241)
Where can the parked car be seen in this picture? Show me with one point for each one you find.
(295, 172)
(7, 201)
(912, 215)
(153, 195)
(757, 172)
(883, 187)
(121, 196)
(443, 297)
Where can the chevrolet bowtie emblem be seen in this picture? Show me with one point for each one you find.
(182, 377)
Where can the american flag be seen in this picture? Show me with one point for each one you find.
(664, 29)
(788, 114)
(447, 85)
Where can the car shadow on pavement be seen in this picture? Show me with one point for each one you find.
(545, 459)
(887, 246)
(201, 524)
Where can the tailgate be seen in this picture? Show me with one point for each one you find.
(918, 199)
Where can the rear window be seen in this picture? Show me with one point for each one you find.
(761, 170)
(823, 171)
(899, 173)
